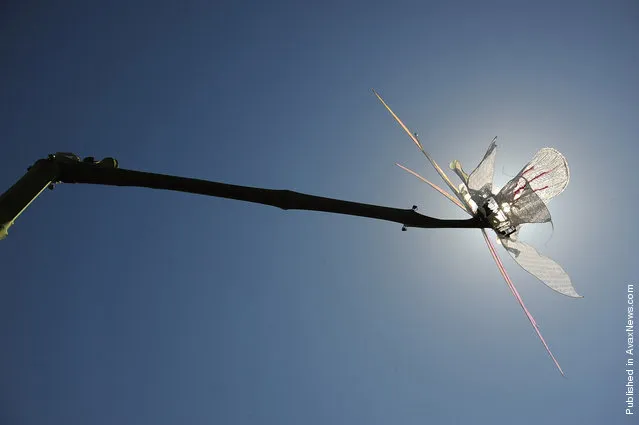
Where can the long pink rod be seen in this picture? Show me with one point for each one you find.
(510, 284)
(434, 186)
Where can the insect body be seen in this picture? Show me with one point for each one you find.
(497, 217)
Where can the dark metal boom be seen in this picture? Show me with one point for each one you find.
(68, 168)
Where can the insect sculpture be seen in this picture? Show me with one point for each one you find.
(522, 200)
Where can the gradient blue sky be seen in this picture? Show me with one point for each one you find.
(133, 306)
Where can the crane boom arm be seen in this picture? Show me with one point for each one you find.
(67, 168)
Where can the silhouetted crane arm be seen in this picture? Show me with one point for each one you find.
(67, 168)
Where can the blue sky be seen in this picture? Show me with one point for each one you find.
(133, 306)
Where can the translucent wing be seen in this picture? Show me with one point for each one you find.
(480, 181)
(521, 203)
(547, 174)
(543, 268)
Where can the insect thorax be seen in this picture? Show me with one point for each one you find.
(496, 217)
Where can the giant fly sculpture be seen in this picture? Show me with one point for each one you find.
(522, 200)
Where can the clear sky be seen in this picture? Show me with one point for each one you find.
(134, 306)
